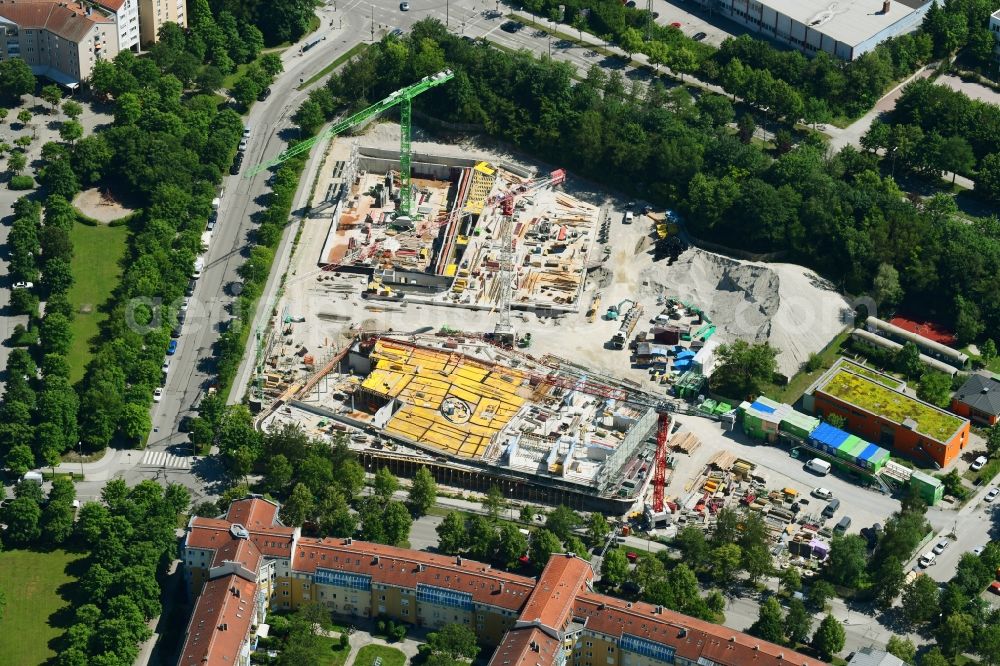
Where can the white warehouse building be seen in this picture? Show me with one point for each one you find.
(843, 28)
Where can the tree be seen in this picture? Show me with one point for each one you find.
(385, 484)
(452, 537)
(955, 155)
(848, 560)
(19, 459)
(903, 648)
(277, 474)
(987, 177)
(798, 623)
(920, 600)
(135, 421)
(298, 507)
(791, 580)
(888, 293)
(956, 633)
(455, 641)
(907, 360)
(988, 351)
(70, 131)
(494, 502)
(511, 545)
(527, 513)
(423, 491)
(543, 544)
(22, 516)
(993, 441)
(934, 657)
(16, 79)
(597, 529)
(24, 117)
(16, 162)
(745, 127)
(562, 521)
(744, 368)
(887, 581)
(724, 562)
(334, 514)
(396, 522)
(72, 109)
(52, 94)
(819, 592)
(482, 538)
(57, 520)
(691, 542)
(630, 41)
(770, 623)
(935, 388)
(614, 567)
(829, 638)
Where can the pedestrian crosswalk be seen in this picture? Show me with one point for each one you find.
(165, 459)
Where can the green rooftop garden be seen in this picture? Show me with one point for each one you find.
(885, 380)
(877, 399)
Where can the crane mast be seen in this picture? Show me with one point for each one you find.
(402, 98)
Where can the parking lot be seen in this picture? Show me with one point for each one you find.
(694, 20)
(865, 507)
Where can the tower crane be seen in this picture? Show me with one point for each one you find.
(402, 98)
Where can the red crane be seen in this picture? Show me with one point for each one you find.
(660, 464)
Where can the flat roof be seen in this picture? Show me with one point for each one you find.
(848, 21)
(892, 405)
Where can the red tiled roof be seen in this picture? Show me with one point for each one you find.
(218, 605)
(238, 550)
(253, 513)
(691, 637)
(66, 20)
(112, 5)
(402, 567)
(212, 533)
(525, 647)
(552, 601)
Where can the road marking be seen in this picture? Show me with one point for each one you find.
(164, 459)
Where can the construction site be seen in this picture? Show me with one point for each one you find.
(450, 306)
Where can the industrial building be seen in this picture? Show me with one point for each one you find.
(240, 566)
(875, 407)
(978, 400)
(843, 29)
(477, 415)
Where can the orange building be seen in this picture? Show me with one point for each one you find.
(239, 570)
(876, 408)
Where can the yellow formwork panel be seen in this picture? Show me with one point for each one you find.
(470, 397)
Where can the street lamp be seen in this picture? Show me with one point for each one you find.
(895, 148)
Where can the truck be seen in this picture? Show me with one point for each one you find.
(627, 326)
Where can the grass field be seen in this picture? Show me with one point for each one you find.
(30, 581)
(97, 252)
(333, 655)
(369, 653)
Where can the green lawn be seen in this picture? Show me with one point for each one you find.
(334, 656)
(390, 656)
(30, 582)
(97, 252)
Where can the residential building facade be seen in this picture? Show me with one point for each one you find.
(154, 13)
(995, 30)
(58, 40)
(126, 16)
(550, 621)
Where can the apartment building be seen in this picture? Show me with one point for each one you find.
(241, 565)
(126, 16)
(58, 40)
(995, 31)
(154, 13)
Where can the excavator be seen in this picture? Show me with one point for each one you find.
(377, 291)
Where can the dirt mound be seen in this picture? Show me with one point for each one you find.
(784, 304)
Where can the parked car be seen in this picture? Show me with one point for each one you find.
(246, 132)
(995, 587)
(992, 495)
(927, 559)
(978, 463)
(676, 24)
(396, 32)
(822, 493)
(264, 94)
(698, 36)
(172, 348)
(404, 6)
(165, 367)
(23, 285)
(978, 550)
(243, 144)
(157, 394)
(940, 546)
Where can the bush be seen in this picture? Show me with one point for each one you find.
(23, 337)
(21, 183)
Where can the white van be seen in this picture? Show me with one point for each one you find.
(819, 466)
(216, 202)
(199, 265)
(33, 476)
(927, 559)
(629, 216)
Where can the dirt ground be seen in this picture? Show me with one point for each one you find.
(100, 206)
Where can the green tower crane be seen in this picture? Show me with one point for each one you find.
(403, 98)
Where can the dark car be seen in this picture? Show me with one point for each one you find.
(264, 94)
(630, 4)
(511, 26)
(698, 36)
(396, 32)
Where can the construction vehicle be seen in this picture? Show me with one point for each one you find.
(595, 305)
(627, 326)
(615, 310)
(402, 98)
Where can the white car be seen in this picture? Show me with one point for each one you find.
(940, 546)
(992, 495)
(978, 463)
(185, 303)
(246, 132)
(165, 367)
(243, 144)
(23, 285)
(157, 394)
(823, 493)
(978, 550)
